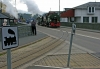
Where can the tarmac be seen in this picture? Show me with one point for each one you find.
(81, 57)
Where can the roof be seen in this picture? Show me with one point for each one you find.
(68, 13)
(67, 9)
(89, 4)
(55, 11)
(3, 16)
(8, 15)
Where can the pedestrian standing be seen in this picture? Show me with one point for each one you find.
(33, 26)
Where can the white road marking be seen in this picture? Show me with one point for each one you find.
(89, 36)
(77, 34)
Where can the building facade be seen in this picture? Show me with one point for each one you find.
(3, 7)
(85, 13)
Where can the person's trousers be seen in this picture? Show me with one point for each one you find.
(34, 30)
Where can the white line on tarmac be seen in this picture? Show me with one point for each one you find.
(78, 34)
(89, 36)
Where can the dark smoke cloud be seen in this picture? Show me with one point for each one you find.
(32, 6)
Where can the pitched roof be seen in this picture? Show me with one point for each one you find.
(8, 15)
(3, 16)
(67, 9)
(89, 4)
(55, 11)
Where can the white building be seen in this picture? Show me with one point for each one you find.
(85, 13)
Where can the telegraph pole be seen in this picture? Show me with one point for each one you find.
(15, 3)
(59, 10)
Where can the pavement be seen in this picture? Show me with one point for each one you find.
(57, 59)
(26, 40)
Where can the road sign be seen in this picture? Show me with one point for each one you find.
(70, 47)
(73, 28)
(9, 37)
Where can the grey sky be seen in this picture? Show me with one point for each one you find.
(45, 5)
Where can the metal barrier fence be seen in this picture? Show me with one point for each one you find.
(93, 26)
(23, 31)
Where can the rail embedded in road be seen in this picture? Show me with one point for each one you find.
(31, 52)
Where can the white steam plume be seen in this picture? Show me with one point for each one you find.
(10, 9)
(32, 6)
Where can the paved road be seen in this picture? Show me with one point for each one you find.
(86, 39)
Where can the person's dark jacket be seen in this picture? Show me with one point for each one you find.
(33, 23)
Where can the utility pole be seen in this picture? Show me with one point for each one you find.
(59, 10)
(50, 9)
(15, 3)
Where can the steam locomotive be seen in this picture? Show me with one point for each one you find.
(49, 20)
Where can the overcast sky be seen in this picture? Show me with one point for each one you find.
(45, 5)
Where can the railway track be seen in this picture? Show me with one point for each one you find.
(31, 52)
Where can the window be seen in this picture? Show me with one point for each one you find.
(91, 9)
(86, 19)
(72, 19)
(94, 19)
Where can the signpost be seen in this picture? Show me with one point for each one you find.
(72, 33)
(9, 40)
